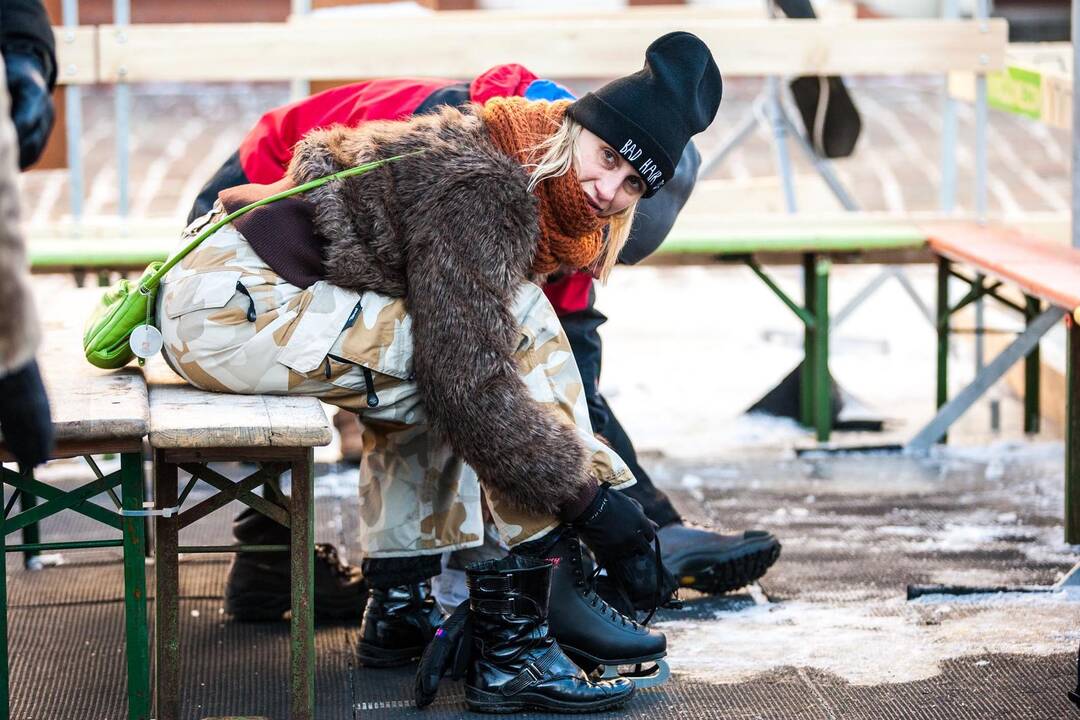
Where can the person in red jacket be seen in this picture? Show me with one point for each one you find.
(258, 586)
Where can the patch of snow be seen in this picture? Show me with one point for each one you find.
(1003, 599)
(901, 531)
(866, 644)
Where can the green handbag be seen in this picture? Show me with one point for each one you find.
(121, 325)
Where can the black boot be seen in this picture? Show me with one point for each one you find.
(714, 563)
(590, 631)
(516, 664)
(398, 623)
(258, 586)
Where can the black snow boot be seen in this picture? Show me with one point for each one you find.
(591, 632)
(258, 586)
(713, 563)
(398, 623)
(516, 664)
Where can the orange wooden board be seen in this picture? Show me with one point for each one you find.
(1040, 268)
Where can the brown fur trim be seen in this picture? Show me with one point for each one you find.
(454, 230)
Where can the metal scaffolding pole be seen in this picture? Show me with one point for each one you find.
(982, 173)
(73, 117)
(122, 16)
(300, 87)
(950, 11)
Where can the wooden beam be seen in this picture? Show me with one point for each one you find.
(558, 47)
(751, 10)
(76, 55)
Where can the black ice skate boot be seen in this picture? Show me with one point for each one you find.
(258, 587)
(516, 664)
(595, 635)
(398, 623)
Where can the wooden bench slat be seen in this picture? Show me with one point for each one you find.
(182, 416)
(1043, 269)
(325, 48)
(722, 235)
(87, 404)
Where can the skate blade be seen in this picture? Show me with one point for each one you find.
(654, 673)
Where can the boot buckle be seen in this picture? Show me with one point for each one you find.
(533, 672)
(490, 583)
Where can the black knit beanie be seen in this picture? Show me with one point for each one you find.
(648, 117)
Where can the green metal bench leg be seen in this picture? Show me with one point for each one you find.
(302, 629)
(806, 388)
(943, 335)
(137, 634)
(1072, 434)
(1032, 308)
(822, 397)
(166, 596)
(5, 708)
(31, 534)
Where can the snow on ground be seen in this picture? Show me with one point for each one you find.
(895, 642)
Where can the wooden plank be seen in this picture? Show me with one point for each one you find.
(590, 47)
(76, 55)
(72, 449)
(745, 10)
(1046, 270)
(721, 234)
(182, 416)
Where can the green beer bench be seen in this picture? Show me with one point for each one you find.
(989, 259)
(94, 412)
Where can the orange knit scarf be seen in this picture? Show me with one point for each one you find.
(571, 233)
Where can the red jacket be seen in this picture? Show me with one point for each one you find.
(266, 150)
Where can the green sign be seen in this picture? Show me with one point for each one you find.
(1015, 90)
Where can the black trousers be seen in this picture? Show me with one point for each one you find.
(582, 330)
(229, 175)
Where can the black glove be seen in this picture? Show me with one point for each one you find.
(24, 416)
(614, 521)
(31, 103)
(624, 542)
(448, 651)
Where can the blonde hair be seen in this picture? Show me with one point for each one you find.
(556, 157)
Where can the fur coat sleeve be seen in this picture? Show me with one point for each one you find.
(461, 288)
(463, 227)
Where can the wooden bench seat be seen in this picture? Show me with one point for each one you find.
(1047, 275)
(189, 429)
(769, 236)
(182, 416)
(1040, 268)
